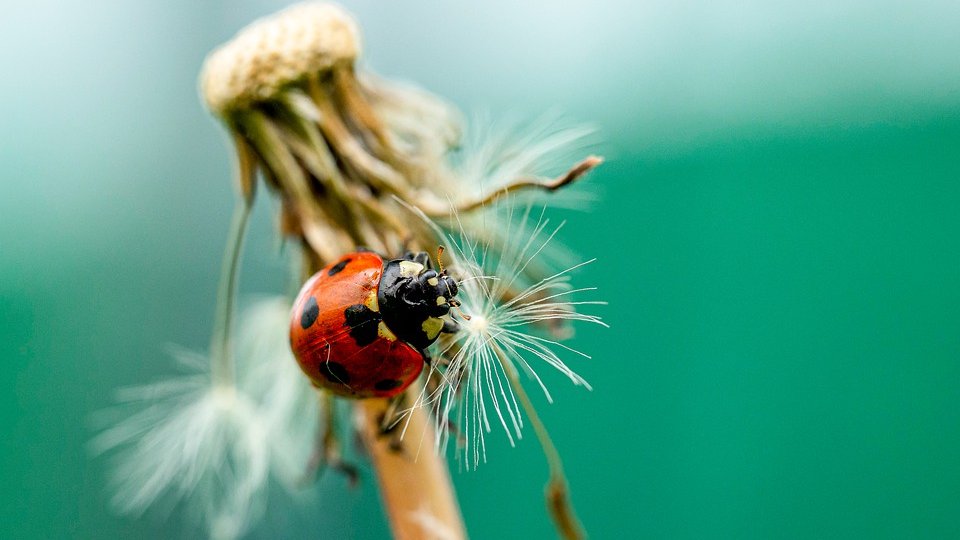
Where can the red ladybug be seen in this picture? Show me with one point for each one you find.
(360, 327)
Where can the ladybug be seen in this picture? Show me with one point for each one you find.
(360, 327)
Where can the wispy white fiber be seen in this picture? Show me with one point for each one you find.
(494, 154)
(212, 447)
(514, 326)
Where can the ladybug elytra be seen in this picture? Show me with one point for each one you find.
(360, 327)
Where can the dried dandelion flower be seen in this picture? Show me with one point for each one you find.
(341, 149)
(356, 160)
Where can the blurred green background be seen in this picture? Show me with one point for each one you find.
(777, 237)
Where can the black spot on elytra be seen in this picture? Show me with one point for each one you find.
(335, 269)
(387, 384)
(335, 372)
(363, 323)
(310, 312)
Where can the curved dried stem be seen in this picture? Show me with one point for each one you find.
(576, 172)
(246, 168)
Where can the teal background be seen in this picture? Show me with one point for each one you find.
(777, 236)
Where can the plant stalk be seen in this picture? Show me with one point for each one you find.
(414, 481)
(557, 492)
(221, 355)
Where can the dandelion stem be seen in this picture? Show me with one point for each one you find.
(557, 492)
(414, 484)
(221, 356)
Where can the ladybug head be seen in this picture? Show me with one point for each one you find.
(412, 298)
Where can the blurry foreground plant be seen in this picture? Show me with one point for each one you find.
(358, 161)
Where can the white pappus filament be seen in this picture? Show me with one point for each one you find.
(507, 327)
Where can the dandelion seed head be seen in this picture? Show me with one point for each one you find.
(277, 50)
(211, 448)
(269, 373)
(368, 147)
(194, 443)
(512, 324)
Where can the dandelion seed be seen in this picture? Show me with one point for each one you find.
(505, 332)
(501, 336)
(214, 446)
(200, 444)
(202, 439)
(286, 401)
(492, 155)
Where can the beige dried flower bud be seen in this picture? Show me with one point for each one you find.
(275, 51)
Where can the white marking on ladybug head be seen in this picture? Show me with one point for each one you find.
(433, 281)
(410, 269)
(441, 300)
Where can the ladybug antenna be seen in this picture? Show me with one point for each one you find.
(455, 304)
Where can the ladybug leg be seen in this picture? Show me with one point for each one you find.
(450, 326)
(423, 258)
(327, 451)
(391, 421)
(427, 359)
